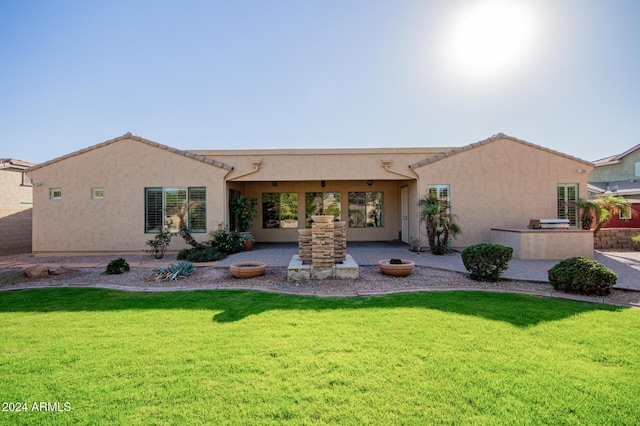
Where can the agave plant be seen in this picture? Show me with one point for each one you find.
(173, 271)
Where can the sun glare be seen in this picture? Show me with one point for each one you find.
(489, 40)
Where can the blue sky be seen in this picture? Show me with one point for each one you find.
(564, 74)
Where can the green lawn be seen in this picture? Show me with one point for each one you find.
(214, 357)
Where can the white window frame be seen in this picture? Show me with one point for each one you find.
(439, 190)
(97, 193)
(53, 195)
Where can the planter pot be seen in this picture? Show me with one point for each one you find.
(397, 270)
(304, 232)
(322, 218)
(247, 269)
(247, 245)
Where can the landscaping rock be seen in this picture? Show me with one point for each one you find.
(57, 269)
(37, 271)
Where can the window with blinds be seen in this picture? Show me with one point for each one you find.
(161, 206)
(567, 199)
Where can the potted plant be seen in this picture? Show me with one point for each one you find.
(245, 210)
(247, 241)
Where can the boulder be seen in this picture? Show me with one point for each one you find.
(37, 271)
(57, 269)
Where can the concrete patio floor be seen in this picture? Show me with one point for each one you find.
(625, 264)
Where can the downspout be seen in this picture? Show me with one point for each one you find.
(257, 165)
(386, 164)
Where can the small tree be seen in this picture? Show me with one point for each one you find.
(441, 224)
(245, 210)
(159, 243)
(602, 209)
(183, 230)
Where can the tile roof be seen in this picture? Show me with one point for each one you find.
(614, 159)
(14, 163)
(454, 151)
(135, 137)
(618, 187)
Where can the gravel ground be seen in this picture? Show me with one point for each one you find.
(371, 279)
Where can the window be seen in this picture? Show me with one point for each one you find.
(97, 193)
(440, 191)
(164, 206)
(55, 194)
(279, 210)
(366, 210)
(637, 168)
(326, 203)
(623, 216)
(567, 207)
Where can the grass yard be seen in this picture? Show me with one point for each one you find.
(213, 357)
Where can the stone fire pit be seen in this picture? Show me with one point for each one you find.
(396, 267)
(247, 269)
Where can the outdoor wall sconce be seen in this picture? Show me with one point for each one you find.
(369, 182)
(274, 183)
(323, 183)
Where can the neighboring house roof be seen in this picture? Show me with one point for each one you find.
(615, 159)
(618, 187)
(13, 163)
(499, 136)
(142, 140)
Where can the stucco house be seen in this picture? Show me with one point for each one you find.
(15, 206)
(619, 175)
(112, 197)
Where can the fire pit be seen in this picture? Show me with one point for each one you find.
(396, 267)
(247, 269)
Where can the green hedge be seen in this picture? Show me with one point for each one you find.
(582, 276)
(486, 261)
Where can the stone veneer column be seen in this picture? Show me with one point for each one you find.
(340, 242)
(322, 244)
(304, 245)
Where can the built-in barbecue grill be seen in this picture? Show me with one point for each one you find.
(548, 224)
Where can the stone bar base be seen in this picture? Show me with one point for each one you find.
(298, 271)
(322, 244)
(550, 244)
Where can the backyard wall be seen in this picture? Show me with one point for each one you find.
(15, 213)
(615, 238)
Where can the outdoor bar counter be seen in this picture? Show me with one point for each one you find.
(549, 244)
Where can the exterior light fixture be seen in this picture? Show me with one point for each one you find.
(274, 183)
(323, 183)
(369, 182)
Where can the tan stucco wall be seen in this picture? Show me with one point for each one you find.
(388, 232)
(545, 244)
(501, 184)
(317, 165)
(15, 213)
(621, 171)
(76, 223)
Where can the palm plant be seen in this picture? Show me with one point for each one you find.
(183, 230)
(602, 209)
(441, 224)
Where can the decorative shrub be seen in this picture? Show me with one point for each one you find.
(486, 261)
(200, 255)
(173, 271)
(582, 276)
(226, 242)
(636, 242)
(117, 266)
(159, 243)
